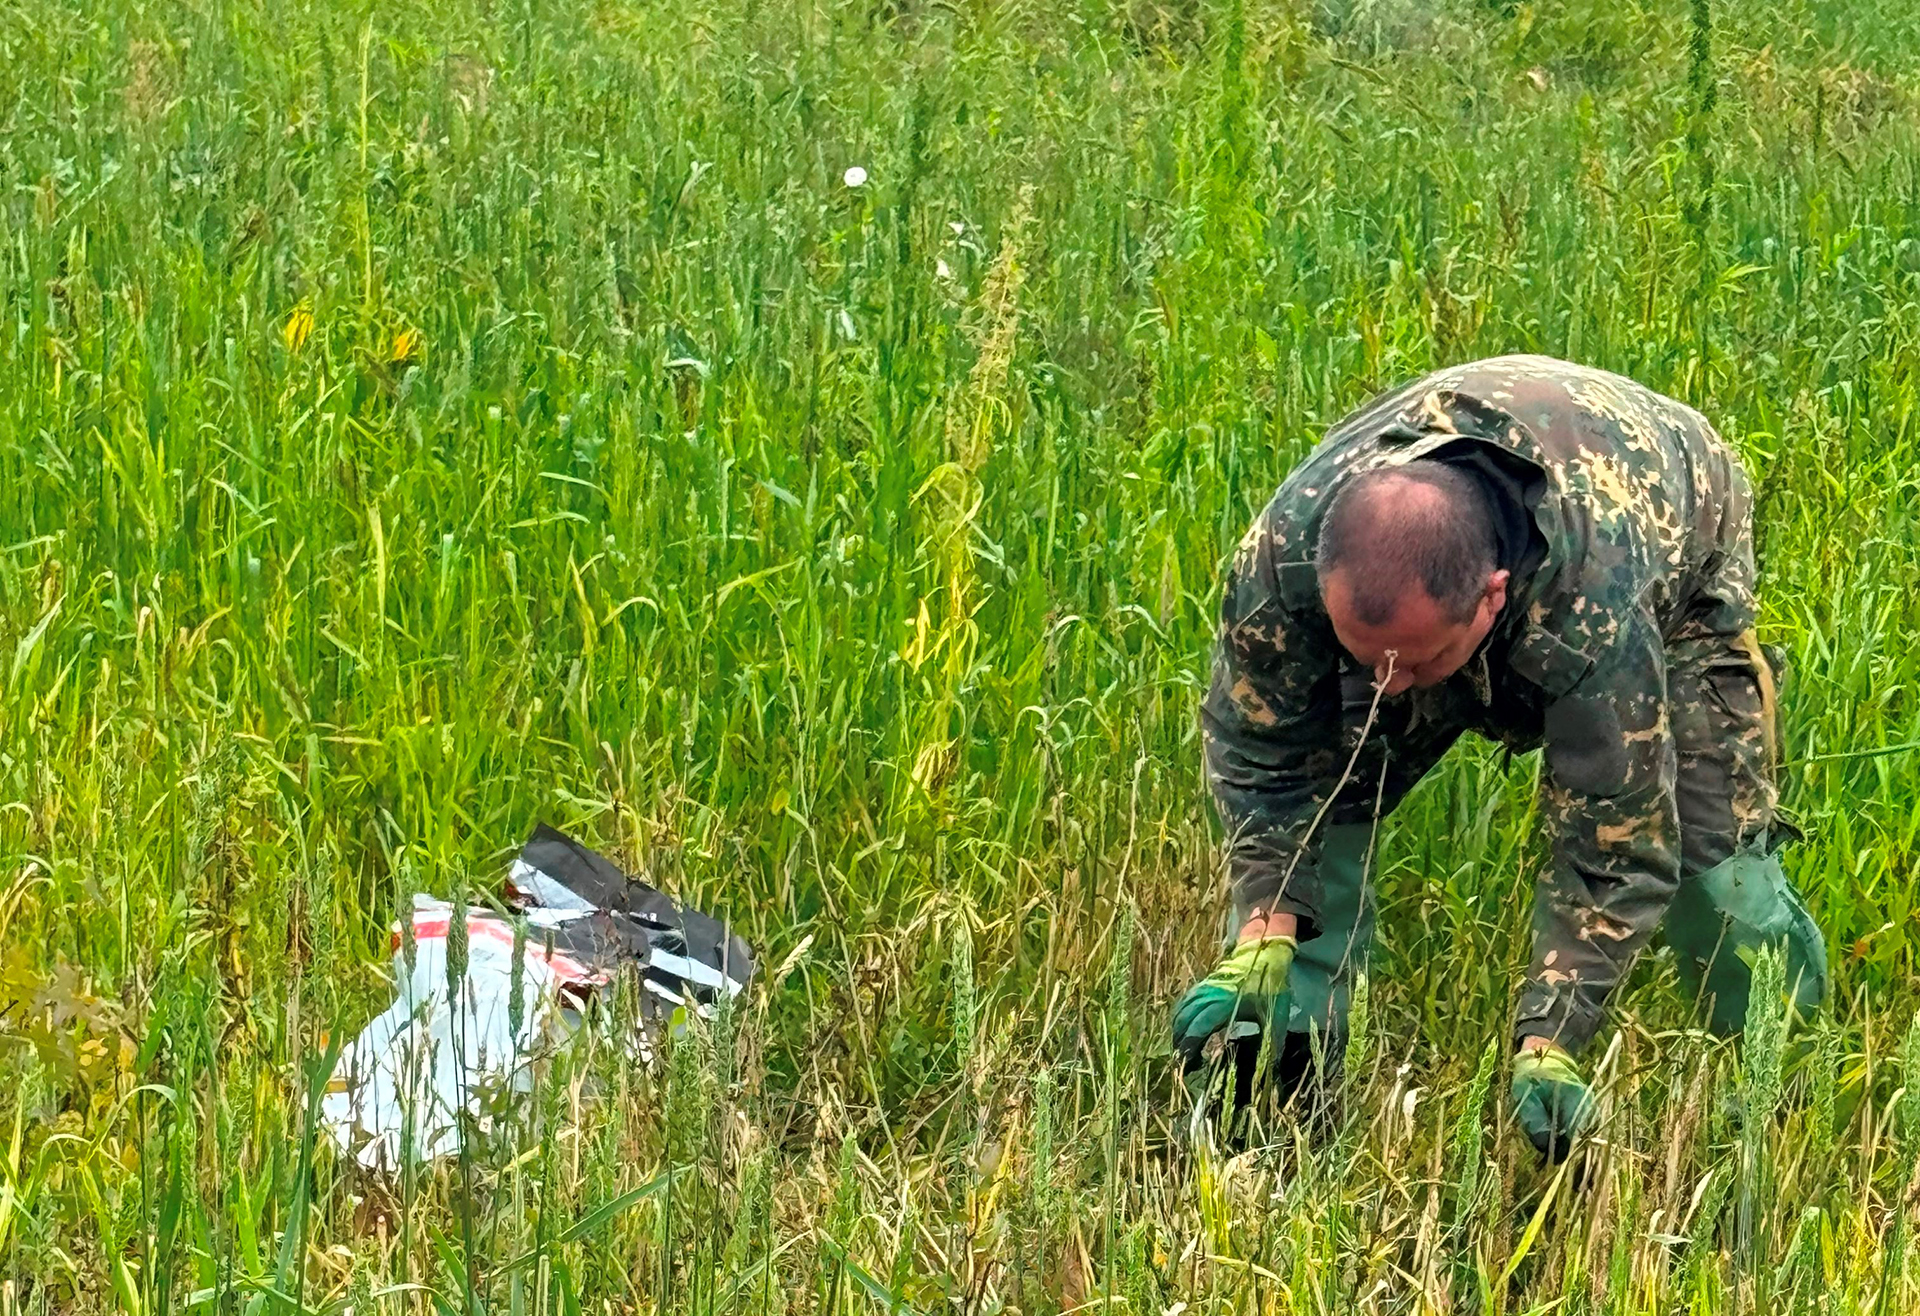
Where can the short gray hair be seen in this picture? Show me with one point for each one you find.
(1444, 541)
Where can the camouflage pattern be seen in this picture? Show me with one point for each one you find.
(1626, 651)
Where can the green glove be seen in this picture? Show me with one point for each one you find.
(1248, 986)
(1551, 1100)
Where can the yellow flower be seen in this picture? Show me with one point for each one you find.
(298, 326)
(406, 344)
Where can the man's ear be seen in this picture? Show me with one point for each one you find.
(1496, 591)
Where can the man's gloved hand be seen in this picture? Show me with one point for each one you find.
(1551, 1100)
(1249, 985)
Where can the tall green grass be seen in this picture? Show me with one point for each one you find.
(420, 420)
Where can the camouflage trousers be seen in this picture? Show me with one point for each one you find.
(1733, 896)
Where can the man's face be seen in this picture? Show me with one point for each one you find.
(1427, 644)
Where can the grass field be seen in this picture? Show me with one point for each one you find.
(421, 420)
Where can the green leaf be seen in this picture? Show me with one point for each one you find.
(593, 1219)
(864, 1278)
(1532, 1231)
(293, 1237)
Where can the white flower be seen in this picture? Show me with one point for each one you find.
(941, 269)
(854, 177)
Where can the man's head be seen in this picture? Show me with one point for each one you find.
(1407, 563)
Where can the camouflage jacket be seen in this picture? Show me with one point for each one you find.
(1636, 502)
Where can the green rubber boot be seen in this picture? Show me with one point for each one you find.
(1319, 982)
(1720, 918)
(1323, 968)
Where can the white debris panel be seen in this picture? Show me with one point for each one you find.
(398, 1089)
